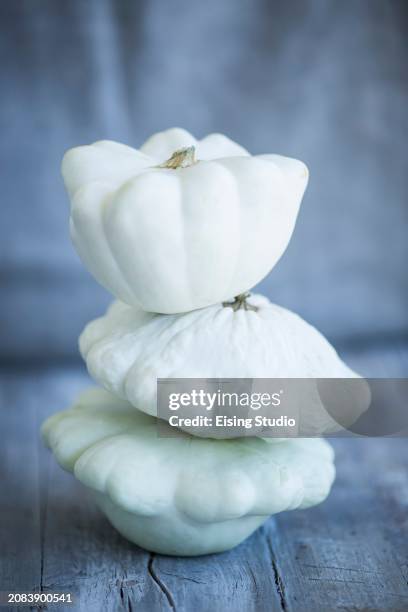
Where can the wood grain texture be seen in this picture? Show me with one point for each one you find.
(350, 553)
(20, 549)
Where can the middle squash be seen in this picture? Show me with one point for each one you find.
(128, 349)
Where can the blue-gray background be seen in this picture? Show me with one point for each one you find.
(322, 80)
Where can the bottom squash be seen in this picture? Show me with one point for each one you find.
(186, 495)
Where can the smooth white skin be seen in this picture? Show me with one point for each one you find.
(127, 350)
(186, 495)
(176, 240)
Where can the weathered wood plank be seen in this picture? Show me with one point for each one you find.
(241, 580)
(348, 554)
(351, 552)
(20, 551)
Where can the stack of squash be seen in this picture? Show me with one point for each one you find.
(179, 232)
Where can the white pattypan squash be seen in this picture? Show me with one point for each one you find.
(127, 350)
(173, 237)
(183, 496)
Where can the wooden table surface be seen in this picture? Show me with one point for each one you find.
(350, 553)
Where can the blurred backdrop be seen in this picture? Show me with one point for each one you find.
(322, 80)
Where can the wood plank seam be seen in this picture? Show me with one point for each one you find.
(280, 586)
(160, 583)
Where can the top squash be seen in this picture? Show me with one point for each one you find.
(180, 224)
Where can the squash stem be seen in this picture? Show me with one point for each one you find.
(182, 158)
(240, 301)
